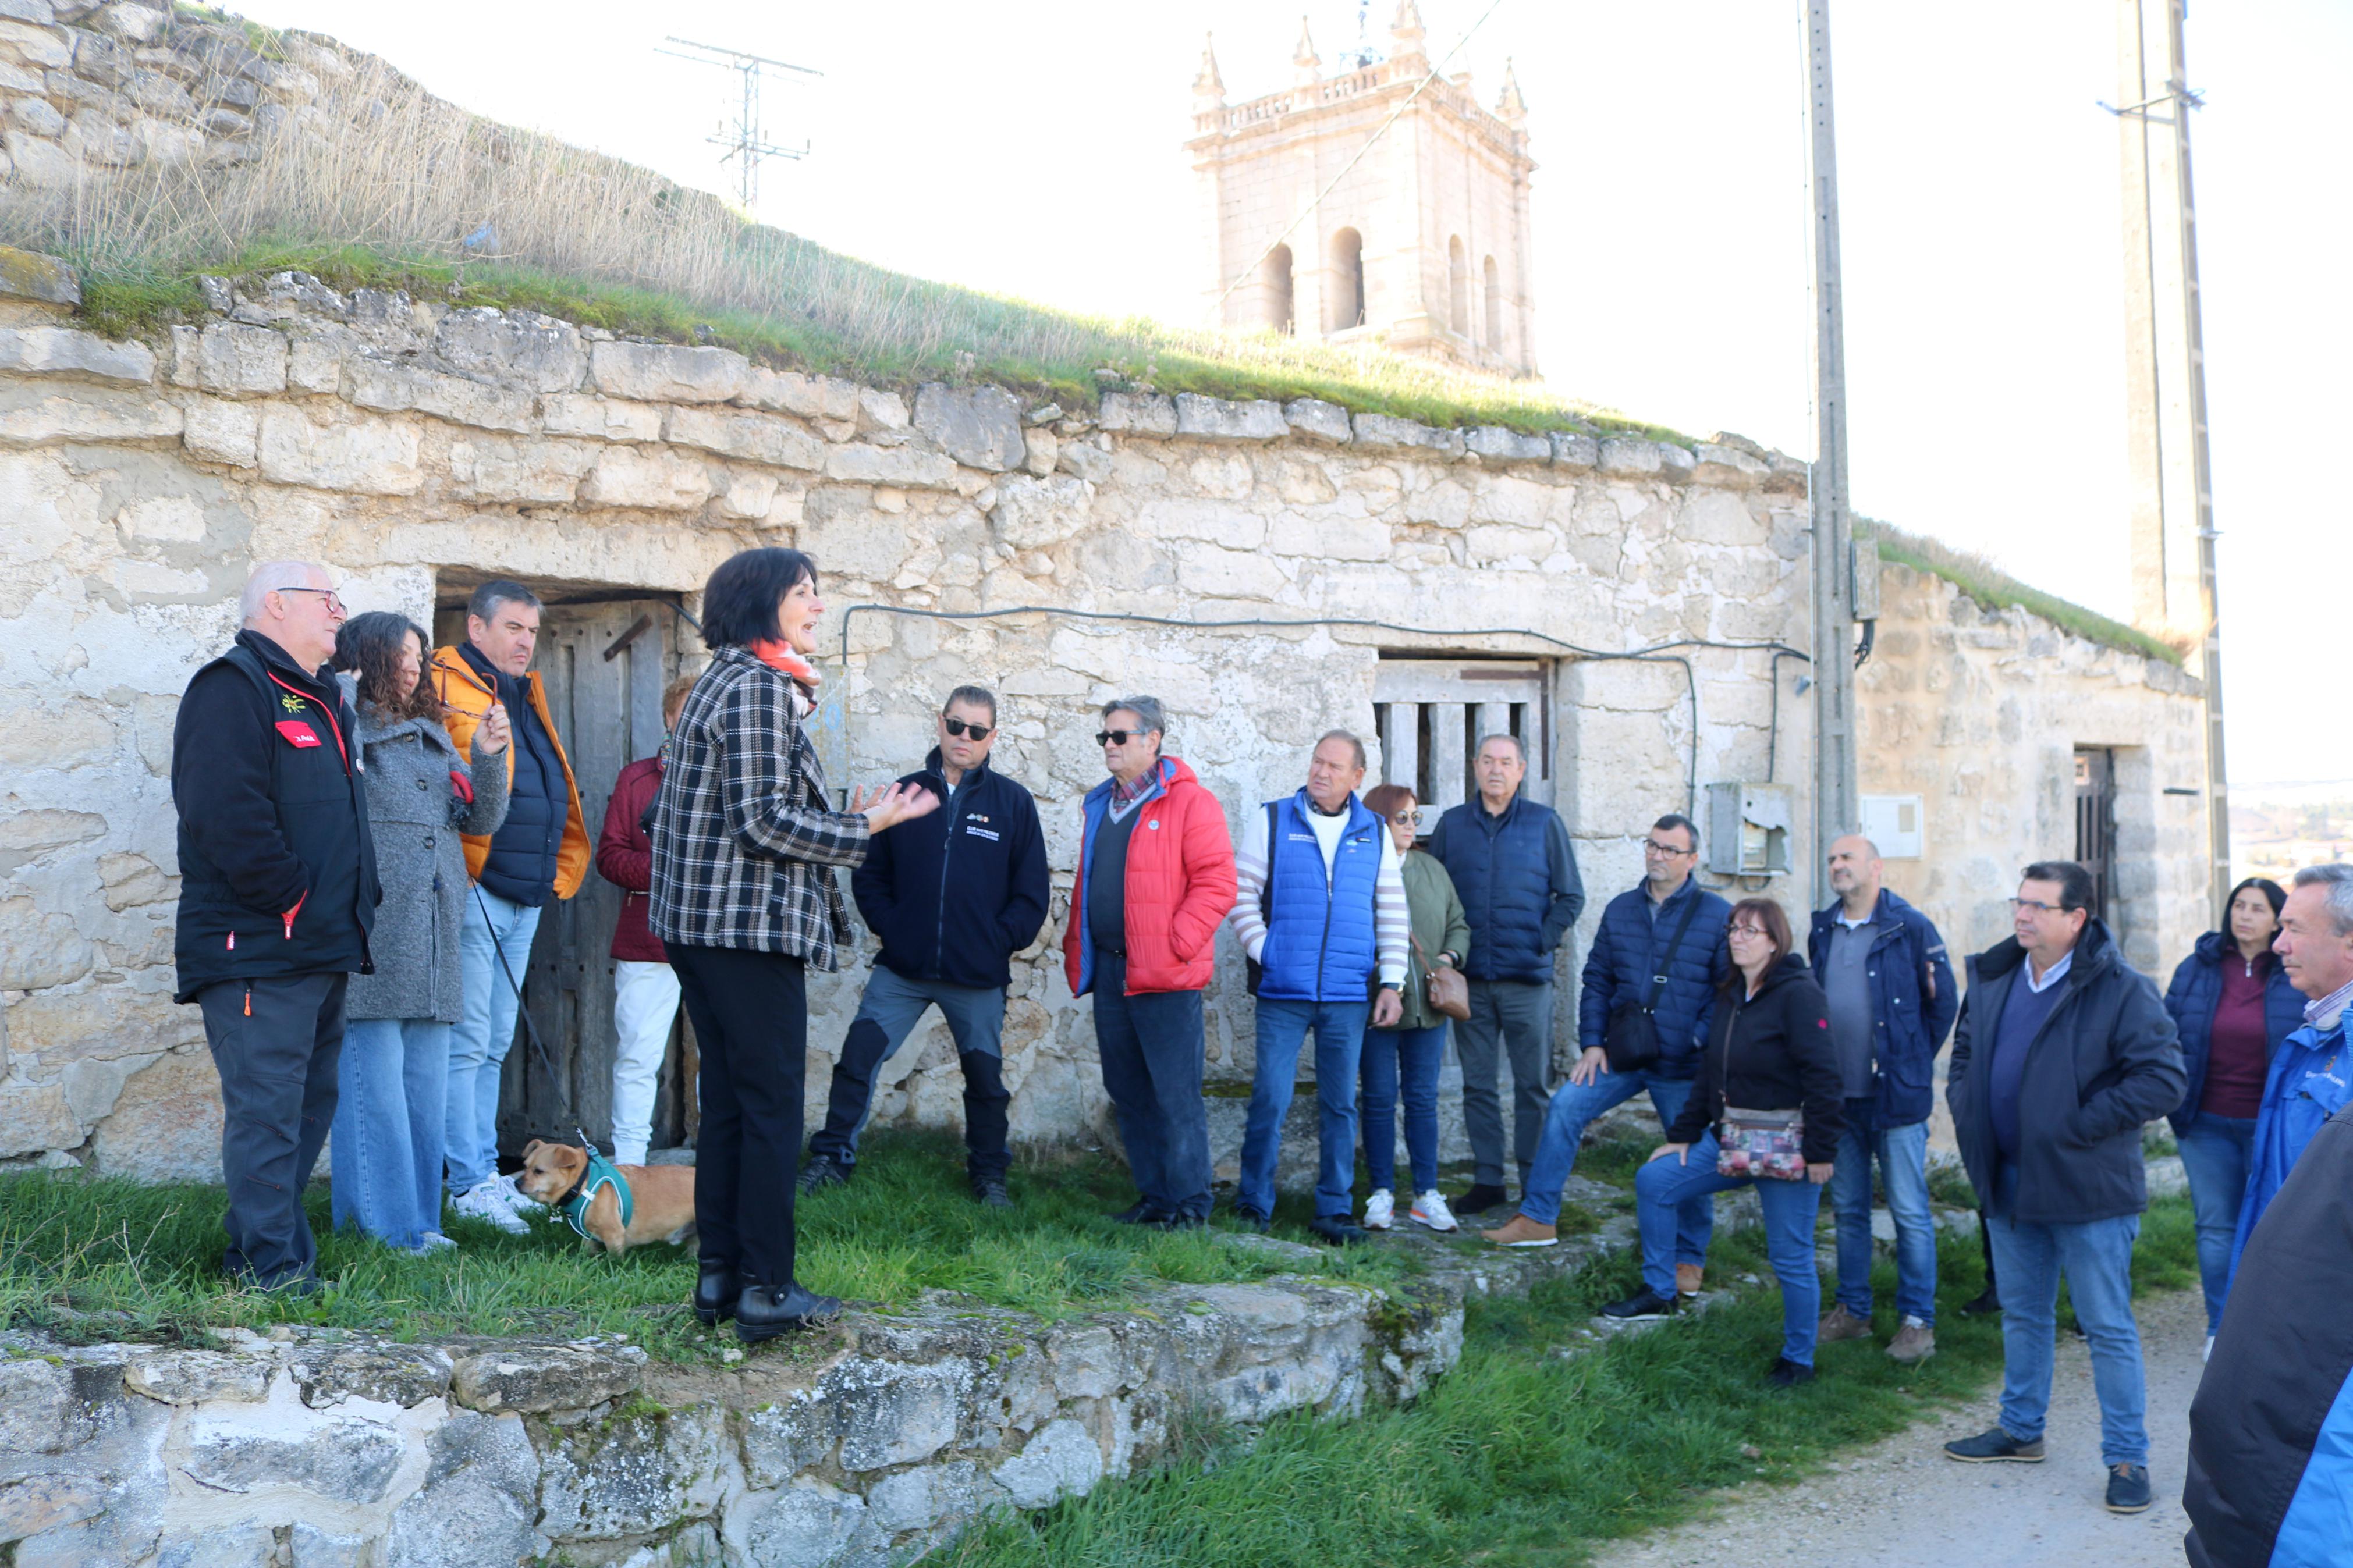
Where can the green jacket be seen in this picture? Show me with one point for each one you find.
(1440, 930)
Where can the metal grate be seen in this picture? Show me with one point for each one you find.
(2096, 820)
(1431, 713)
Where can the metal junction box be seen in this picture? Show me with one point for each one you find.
(1748, 830)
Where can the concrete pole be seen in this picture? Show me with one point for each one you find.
(1836, 808)
(2171, 495)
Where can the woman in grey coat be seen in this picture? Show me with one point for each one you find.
(421, 794)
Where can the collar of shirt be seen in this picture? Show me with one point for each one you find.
(1125, 793)
(1852, 924)
(2324, 1013)
(2053, 975)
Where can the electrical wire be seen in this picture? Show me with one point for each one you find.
(1656, 653)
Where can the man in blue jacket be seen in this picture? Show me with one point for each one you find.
(1893, 999)
(1660, 947)
(278, 894)
(1516, 876)
(953, 896)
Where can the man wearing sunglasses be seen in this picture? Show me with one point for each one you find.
(952, 896)
(278, 893)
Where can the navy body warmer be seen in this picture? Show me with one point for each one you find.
(1502, 870)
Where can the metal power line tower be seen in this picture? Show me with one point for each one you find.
(746, 142)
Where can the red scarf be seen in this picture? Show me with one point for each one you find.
(785, 661)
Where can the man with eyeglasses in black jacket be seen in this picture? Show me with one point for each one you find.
(953, 896)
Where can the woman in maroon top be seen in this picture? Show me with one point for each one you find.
(2233, 1004)
(645, 987)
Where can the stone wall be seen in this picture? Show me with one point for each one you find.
(859, 1446)
(414, 448)
(1980, 712)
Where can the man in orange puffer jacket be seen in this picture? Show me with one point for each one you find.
(1155, 880)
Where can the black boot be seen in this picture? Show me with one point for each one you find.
(1478, 1200)
(763, 1314)
(990, 1193)
(715, 1289)
(823, 1171)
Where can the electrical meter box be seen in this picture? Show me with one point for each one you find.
(1748, 830)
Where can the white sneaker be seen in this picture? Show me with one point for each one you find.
(433, 1241)
(486, 1202)
(1380, 1210)
(1431, 1209)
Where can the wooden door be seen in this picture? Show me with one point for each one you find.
(2096, 820)
(604, 665)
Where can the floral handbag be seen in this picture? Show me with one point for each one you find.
(1768, 1144)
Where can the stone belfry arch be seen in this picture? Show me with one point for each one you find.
(1422, 245)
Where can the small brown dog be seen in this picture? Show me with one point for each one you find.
(662, 1196)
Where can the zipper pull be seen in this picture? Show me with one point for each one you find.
(249, 1001)
(232, 941)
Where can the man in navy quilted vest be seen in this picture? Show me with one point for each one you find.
(1512, 867)
(1321, 912)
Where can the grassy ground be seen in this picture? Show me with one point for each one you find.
(114, 1259)
(1995, 589)
(1524, 1456)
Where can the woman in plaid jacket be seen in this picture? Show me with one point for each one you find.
(746, 901)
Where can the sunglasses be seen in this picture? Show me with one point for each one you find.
(1409, 817)
(1118, 737)
(957, 729)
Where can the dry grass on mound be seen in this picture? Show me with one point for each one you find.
(383, 182)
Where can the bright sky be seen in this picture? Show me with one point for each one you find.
(1036, 150)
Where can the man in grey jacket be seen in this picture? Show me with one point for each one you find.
(2063, 1052)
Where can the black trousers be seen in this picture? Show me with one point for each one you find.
(276, 1044)
(750, 1012)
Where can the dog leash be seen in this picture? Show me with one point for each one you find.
(530, 1030)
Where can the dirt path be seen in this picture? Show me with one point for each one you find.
(1899, 1503)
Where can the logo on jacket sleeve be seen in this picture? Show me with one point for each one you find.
(291, 704)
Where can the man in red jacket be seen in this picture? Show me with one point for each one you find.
(645, 987)
(1155, 879)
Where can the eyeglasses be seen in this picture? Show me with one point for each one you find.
(1663, 851)
(2038, 906)
(1747, 930)
(957, 729)
(334, 600)
(1119, 737)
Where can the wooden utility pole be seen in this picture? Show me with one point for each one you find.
(1837, 809)
(2172, 503)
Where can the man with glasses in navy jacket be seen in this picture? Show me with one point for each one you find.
(953, 896)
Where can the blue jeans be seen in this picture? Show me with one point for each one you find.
(1666, 1184)
(478, 1045)
(1339, 1041)
(2097, 1258)
(1152, 1048)
(386, 1150)
(2214, 1156)
(1572, 1107)
(1903, 1154)
(1413, 1055)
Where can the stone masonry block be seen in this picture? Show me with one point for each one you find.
(222, 432)
(667, 372)
(790, 391)
(62, 351)
(393, 389)
(1497, 445)
(605, 418)
(1059, 1462)
(530, 1378)
(229, 358)
(1220, 419)
(519, 349)
(1034, 514)
(648, 478)
(1381, 433)
(979, 427)
(861, 464)
(28, 275)
(1728, 467)
(370, 456)
(1630, 459)
(755, 438)
(1138, 412)
(1318, 420)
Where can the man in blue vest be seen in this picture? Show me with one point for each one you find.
(1516, 876)
(1660, 948)
(1321, 911)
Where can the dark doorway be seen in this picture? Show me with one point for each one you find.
(2096, 820)
(604, 663)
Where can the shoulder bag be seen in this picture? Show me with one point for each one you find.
(1448, 990)
(1769, 1145)
(1631, 1037)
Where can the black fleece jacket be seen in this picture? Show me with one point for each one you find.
(277, 868)
(1771, 1052)
(955, 895)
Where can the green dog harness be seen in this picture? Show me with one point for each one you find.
(601, 1172)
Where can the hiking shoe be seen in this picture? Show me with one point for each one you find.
(821, 1172)
(1250, 1220)
(1914, 1342)
(2128, 1488)
(1984, 1304)
(763, 1314)
(1137, 1213)
(1429, 1209)
(1641, 1307)
(1993, 1447)
(1380, 1210)
(1479, 1199)
(1787, 1373)
(1521, 1231)
(482, 1202)
(1688, 1276)
(1336, 1230)
(1837, 1324)
(990, 1193)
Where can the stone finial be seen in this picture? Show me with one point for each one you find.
(1307, 64)
(1209, 87)
(1405, 27)
(1510, 107)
